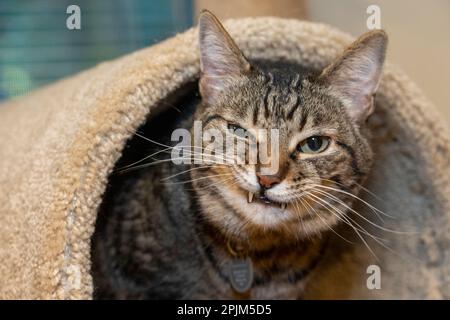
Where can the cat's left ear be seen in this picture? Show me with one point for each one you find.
(221, 61)
(355, 75)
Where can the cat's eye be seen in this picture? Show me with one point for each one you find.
(237, 130)
(314, 144)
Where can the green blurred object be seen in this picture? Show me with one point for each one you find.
(37, 48)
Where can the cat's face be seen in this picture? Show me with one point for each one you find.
(321, 154)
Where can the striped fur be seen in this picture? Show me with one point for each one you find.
(172, 240)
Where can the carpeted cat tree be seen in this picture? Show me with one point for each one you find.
(59, 145)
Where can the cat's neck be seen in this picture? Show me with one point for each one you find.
(264, 248)
(276, 249)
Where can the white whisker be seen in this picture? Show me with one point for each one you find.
(350, 224)
(354, 211)
(356, 197)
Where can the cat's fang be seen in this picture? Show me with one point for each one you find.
(250, 197)
(283, 206)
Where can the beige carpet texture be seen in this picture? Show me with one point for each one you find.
(59, 144)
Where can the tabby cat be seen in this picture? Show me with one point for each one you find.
(182, 239)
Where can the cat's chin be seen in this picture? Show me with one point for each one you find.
(261, 211)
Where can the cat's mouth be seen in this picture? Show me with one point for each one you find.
(262, 198)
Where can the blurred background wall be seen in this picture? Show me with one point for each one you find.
(36, 47)
(419, 34)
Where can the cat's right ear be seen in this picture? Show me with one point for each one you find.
(221, 61)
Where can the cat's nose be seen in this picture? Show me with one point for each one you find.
(268, 181)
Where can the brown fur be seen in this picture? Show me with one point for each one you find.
(182, 237)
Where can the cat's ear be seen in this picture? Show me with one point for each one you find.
(221, 61)
(355, 75)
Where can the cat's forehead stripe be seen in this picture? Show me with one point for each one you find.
(282, 95)
(295, 106)
(266, 101)
(295, 82)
